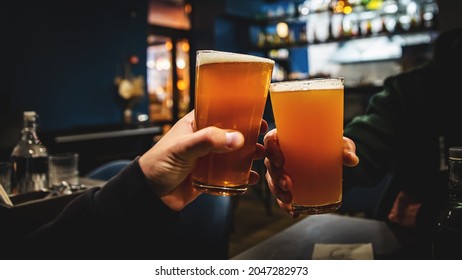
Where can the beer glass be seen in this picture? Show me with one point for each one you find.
(309, 120)
(231, 92)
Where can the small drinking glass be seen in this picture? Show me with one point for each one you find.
(63, 167)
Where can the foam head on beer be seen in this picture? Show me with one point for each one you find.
(211, 56)
(303, 85)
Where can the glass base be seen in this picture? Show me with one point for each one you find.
(313, 210)
(220, 190)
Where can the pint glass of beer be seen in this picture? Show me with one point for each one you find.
(231, 92)
(309, 120)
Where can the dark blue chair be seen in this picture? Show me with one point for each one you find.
(108, 170)
(205, 229)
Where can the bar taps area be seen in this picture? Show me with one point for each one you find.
(362, 41)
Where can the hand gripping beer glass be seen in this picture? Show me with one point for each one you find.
(231, 92)
(309, 120)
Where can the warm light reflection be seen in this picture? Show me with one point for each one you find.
(181, 85)
(185, 46)
(339, 7)
(160, 78)
(374, 5)
(168, 45)
(162, 64)
(180, 63)
(282, 29)
(151, 39)
(188, 8)
(150, 64)
(347, 10)
(160, 93)
(171, 14)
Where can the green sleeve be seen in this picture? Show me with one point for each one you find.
(376, 135)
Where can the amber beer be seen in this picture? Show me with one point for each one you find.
(309, 120)
(231, 92)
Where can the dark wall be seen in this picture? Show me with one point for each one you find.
(61, 58)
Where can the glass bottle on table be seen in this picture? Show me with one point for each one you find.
(447, 242)
(29, 158)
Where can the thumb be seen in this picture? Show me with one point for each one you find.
(349, 153)
(212, 139)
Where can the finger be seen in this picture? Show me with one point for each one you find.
(284, 206)
(263, 126)
(260, 152)
(273, 174)
(192, 115)
(394, 213)
(286, 183)
(276, 189)
(294, 215)
(278, 175)
(254, 178)
(185, 125)
(210, 139)
(349, 153)
(273, 151)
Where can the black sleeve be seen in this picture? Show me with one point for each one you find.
(117, 220)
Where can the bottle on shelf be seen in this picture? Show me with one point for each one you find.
(447, 242)
(30, 158)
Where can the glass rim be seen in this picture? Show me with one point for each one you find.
(217, 56)
(65, 155)
(455, 152)
(309, 84)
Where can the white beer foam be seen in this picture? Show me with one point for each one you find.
(212, 56)
(311, 84)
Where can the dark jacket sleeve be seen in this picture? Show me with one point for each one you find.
(401, 133)
(376, 135)
(122, 218)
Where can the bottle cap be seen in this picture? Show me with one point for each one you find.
(455, 153)
(29, 114)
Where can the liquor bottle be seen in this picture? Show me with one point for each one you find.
(30, 158)
(447, 243)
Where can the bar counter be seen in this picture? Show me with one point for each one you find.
(100, 144)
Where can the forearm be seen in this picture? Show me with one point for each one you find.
(124, 211)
